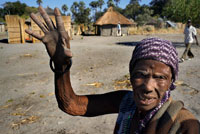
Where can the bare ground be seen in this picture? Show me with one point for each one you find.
(28, 104)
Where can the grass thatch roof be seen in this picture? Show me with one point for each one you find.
(113, 17)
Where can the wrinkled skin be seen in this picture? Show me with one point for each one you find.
(56, 39)
(150, 80)
(57, 44)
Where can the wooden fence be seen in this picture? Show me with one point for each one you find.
(67, 25)
(16, 28)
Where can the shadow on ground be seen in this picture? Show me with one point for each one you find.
(4, 41)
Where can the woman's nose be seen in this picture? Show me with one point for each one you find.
(149, 85)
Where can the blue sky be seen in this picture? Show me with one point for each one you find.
(59, 3)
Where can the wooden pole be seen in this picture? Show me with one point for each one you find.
(22, 32)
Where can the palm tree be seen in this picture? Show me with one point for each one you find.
(134, 1)
(100, 4)
(110, 3)
(94, 5)
(117, 2)
(39, 2)
(64, 8)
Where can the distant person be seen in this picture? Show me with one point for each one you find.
(119, 30)
(190, 34)
(148, 109)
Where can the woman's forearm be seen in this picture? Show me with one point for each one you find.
(84, 105)
(67, 100)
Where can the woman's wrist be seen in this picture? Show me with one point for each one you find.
(60, 69)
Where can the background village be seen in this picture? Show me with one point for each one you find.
(100, 60)
(92, 20)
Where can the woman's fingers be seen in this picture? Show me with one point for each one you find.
(46, 18)
(37, 36)
(61, 28)
(59, 21)
(38, 22)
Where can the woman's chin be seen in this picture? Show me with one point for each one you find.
(146, 105)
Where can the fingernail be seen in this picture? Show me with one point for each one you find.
(57, 12)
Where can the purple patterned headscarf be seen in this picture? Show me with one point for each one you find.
(159, 50)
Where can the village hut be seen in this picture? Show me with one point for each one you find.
(106, 25)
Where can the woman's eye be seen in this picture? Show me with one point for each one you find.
(138, 75)
(160, 77)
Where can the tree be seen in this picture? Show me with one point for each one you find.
(132, 9)
(28, 11)
(117, 2)
(64, 8)
(158, 5)
(100, 4)
(14, 8)
(39, 2)
(110, 3)
(182, 10)
(98, 15)
(80, 13)
(2, 14)
(144, 16)
(94, 5)
(134, 2)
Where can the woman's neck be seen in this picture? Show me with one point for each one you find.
(142, 114)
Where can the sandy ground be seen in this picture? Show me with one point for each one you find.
(28, 104)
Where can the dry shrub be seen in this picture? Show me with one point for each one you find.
(149, 29)
(141, 30)
(132, 30)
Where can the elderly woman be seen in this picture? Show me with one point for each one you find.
(148, 109)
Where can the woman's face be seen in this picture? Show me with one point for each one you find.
(150, 80)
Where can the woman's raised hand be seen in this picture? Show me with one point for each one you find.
(55, 38)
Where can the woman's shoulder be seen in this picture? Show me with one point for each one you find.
(189, 123)
(174, 118)
(186, 117)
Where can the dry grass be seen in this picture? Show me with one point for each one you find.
(28, 120)
(95, 84)
(123, 83)
(152, 30)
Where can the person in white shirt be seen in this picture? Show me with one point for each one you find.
(190, 34)
(118, 29)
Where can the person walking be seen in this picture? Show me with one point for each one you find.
(190, 34)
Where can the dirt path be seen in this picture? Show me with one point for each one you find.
(28, 104)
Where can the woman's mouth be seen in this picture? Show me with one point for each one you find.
(146, 100)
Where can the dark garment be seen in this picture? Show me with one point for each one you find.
(172, 118)
(187, 52)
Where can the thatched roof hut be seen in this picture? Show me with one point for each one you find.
(107, 24)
